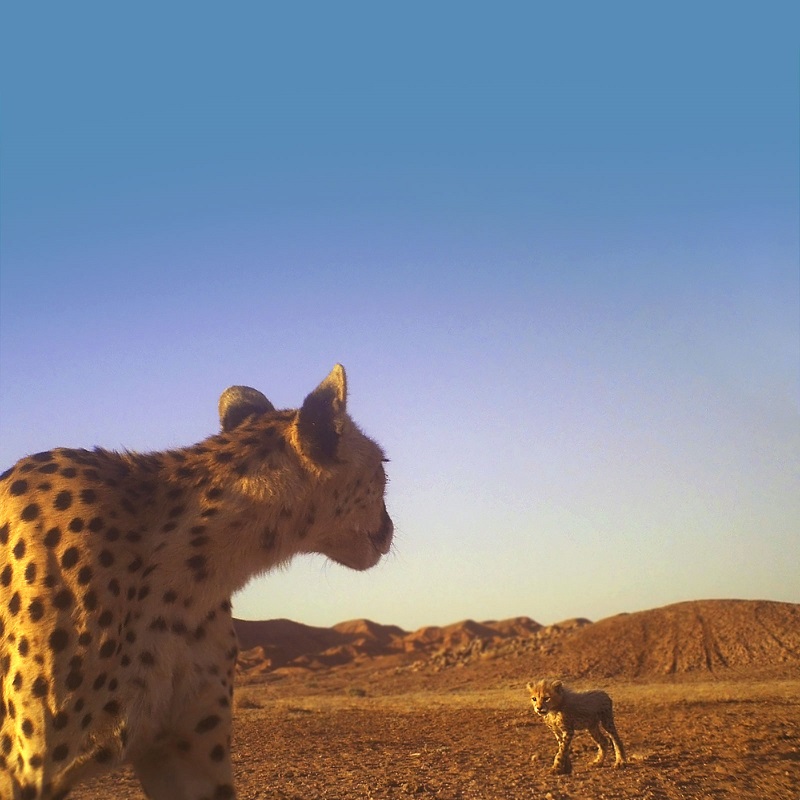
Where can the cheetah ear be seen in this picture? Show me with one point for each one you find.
(556, 686)
(319, 423)
(239, 402)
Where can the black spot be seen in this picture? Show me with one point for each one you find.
(27, 729)
(207, 724)
(60, 721)
(52, 537)
(111, 707)
(19, 549)
(114, 587)
(69, 472)
(63, 501)
(217, 753)
(60, 752)
(36, 610)
(14, 604)
(85, 639)
(30, 573)
(4, 534)
(88, 496)
(63, 599)
(107, 648)
(48, 469)
(158, 624)
(90, 600)
(5, 575)
(84, 576)
(105, 558)
(111, 535)
(147, 658)
(96, 524)
(76, 525)
(40, 687)
(44, 456)
(73, 680)
(224, 791)
(105, 619)
(19, 487)
(30, 512)
(197, 562)
(135, 565)
(103, 755)
(170, 596)
(69, 558)
(58, 640)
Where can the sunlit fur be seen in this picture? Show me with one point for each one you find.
(116, 573)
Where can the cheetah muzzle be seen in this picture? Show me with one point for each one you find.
(116, 573)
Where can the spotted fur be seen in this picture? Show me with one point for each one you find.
(565, 711)
(116, 573)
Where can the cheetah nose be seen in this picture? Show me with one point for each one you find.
(382, 538)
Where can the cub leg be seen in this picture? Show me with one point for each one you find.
(562, 764)
(602, 743)
(619, 749)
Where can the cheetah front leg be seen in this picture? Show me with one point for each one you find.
(193, 763)
(562, 763)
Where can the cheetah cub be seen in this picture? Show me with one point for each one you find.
(565, 711)
(116, 573)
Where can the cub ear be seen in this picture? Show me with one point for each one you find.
(239, 402)
(530, 688)
(556, 686)
(319, 423)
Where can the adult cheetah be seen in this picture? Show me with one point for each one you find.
(116, 573)
(566, 711)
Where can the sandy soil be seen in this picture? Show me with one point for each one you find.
(361, 733)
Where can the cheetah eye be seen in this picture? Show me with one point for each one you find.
(386, 460)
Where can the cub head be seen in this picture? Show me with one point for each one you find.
(333, 495)
(546, 696)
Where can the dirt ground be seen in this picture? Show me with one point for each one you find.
(347, 735)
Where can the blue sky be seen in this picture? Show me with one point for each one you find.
(558, 257)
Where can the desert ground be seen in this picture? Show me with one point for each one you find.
(706, 696)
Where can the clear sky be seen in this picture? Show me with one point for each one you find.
(557, 255)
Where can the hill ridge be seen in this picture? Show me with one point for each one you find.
(695, 636)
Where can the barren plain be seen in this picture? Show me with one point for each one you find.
(706, 695)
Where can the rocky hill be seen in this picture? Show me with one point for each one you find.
(719, 637)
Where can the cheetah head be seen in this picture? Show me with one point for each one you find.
(334, 503)
(546, 696)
